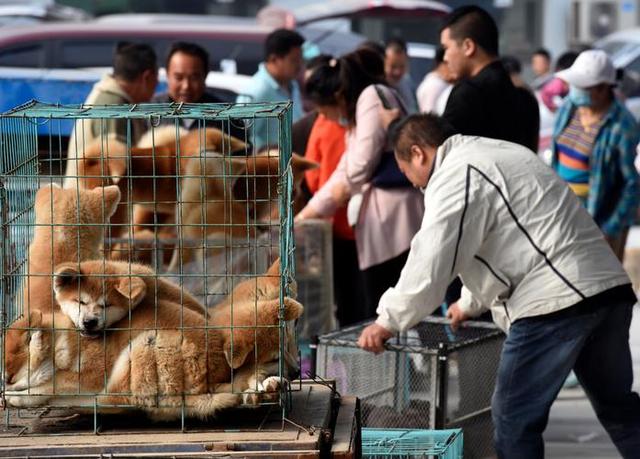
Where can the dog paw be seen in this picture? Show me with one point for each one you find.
(22, 399)
(264, 392)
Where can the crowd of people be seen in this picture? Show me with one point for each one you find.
(437, 195)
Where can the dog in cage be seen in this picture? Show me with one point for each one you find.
(95, 305)
(69, 227)
(224, 198)
(149, 361)
(153, 170)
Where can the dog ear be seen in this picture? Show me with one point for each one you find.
(300, 164)
(111, 198)
(236, 358)
(292, 309)
(133, 288)
(117, 168)
(65, 275)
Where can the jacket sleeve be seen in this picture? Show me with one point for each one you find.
(368, 140)
(625, 211)
(361, 157)
(469, 305)
(454, 225)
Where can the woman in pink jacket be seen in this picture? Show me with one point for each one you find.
(352, 91)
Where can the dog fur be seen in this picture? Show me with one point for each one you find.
(95, 294)
(69, 227)
(145, 361)
(226, 198)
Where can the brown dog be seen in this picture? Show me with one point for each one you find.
(147, 176)
(161, 353)
(96, 294)
(226, 198)
(69, 227)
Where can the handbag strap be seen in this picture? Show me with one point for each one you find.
(385, 101)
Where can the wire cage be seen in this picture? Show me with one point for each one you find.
(146, 273)
(427, 378)
(410, 444)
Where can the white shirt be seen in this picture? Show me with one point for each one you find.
(429, 91)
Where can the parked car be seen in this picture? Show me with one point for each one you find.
(21, 12)
(92, 44)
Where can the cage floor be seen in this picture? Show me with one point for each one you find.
(46, 433)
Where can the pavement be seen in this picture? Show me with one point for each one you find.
(573, 430)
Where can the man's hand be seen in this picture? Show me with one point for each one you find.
(456, 315)
(373, 337)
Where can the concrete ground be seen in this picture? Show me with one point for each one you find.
(573, 430)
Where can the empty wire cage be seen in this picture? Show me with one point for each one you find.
(149, 272)
(412, 444)
(427, 378)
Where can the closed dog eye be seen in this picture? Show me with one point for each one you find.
(80, 302)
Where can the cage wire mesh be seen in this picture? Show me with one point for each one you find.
(427, 378)
(410, 444)
(148, 272)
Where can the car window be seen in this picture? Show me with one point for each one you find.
(247, 54)
(23, 56)
(85, 53)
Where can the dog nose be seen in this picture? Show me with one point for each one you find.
(89, 324)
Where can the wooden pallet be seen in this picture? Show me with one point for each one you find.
(319, 425)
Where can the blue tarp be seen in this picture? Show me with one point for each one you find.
(18, 86)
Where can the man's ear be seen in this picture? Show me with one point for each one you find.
(418, 153)
(469, 47)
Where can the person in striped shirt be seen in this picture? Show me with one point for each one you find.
(594, 144)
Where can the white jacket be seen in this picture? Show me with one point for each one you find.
(513, 231)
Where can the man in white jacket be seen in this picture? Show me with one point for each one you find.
(526, 250)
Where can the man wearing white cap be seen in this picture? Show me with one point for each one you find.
(594, 144)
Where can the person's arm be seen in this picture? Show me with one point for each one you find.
(366, 144)
(625, 210)
(469, 305)
(359, 161)
(453, 228)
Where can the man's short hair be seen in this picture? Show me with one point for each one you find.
(132, 59)
(542, 52)
(422, 129)
(190, 49)
(372, 45)
(397, 45)
(566, 60)
(281, 41)
(511, 64)
(476, 24)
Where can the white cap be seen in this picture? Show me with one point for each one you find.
(590, 68)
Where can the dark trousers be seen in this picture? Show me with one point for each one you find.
(537, 356)
(347, 283)
(378, 278)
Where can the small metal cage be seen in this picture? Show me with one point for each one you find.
(412, 444)
(427, 378)
(205, 246)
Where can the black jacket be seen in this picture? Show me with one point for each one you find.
(489, 105)
(234, 127)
